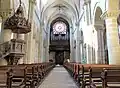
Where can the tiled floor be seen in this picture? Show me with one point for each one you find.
(58, 78)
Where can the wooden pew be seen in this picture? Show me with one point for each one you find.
(10, 77)
(39, 71)
(88, 74)
(5, 79)
(24, 75)
(33, 73)
(110, 78)
(19, 79)
(21, 75)
(85, 73)
(70, 67)
(94, 79)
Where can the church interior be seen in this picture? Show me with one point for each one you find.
(59, 43)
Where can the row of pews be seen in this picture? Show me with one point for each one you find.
(95, 75)
(24, 75)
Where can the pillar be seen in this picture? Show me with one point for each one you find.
(28, 59)
(112, 32)
(100, 45)
(21, 36)
(72, 59)
(7, 35)
(78, 59)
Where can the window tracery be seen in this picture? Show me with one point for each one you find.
(59, 28)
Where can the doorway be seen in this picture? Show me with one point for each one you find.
(59, 57)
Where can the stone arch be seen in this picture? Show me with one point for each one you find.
(55, 17)
(97, 8)
(98, 24)
(56, 40)
(47, 7)
(97, 16)
(59, 15)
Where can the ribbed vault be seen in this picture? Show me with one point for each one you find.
(59, 8)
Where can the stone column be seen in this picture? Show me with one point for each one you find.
(5, 12)
(100, 45)
(28, 37)
(71, 45)
(112, 32)
(7, 35)
(77, 44)
(47, 47)
(21, 36)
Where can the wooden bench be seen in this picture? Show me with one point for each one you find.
(8, 75)
(23, 75)
(19, 79)
(110, 78)
(70, 67)
(39, 71)
(90, 72)
(33, 73)
(5, 79)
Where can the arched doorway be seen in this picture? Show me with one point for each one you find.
(59, 40)
(59, 57)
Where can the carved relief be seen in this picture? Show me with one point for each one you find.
(18, 23)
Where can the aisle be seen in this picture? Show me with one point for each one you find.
(58, 78)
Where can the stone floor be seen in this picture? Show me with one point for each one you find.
(58, 78)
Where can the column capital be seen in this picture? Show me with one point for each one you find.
(33, 1)
(5, 13)
(110, 14)
(86, 2)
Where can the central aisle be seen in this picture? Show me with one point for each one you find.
(58, 78)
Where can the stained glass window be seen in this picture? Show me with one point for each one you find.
(59, 28)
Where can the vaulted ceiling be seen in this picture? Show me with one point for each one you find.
(67, 9)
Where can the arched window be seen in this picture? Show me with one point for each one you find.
(59, 28)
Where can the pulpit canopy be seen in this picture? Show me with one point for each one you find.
(18, 23)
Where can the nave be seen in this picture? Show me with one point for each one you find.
(81, 35)
(58, 78)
